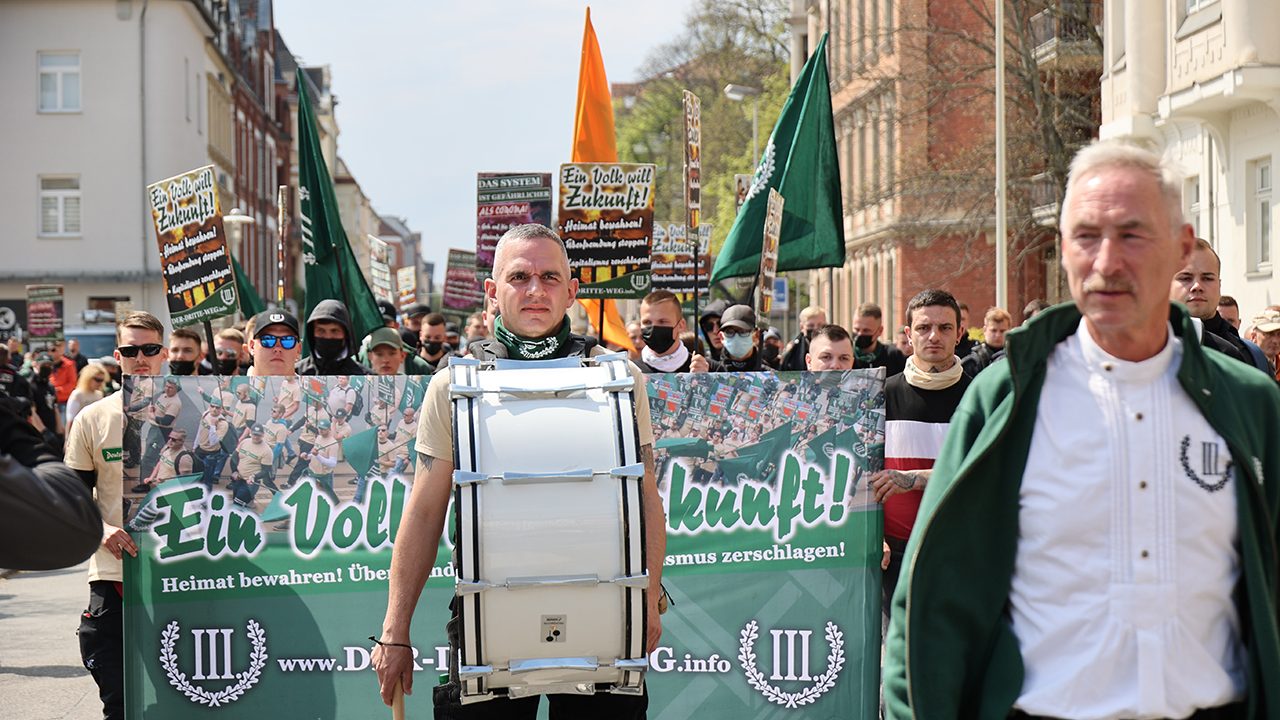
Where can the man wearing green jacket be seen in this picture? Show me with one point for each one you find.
(1098, 539)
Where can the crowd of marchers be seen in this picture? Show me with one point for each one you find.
(1121, 353)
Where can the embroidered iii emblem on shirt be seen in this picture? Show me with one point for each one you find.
(1213, 473)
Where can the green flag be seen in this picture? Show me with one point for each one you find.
(415, 386)
(331, 269)
(799, 162)
(250, 301)
(684, 447)
(759, 460)
(361, 450)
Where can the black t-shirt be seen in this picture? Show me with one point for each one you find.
(888, 357)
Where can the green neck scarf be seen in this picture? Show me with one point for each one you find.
(520, 348)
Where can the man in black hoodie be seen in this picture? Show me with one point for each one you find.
(709, 324)
(332, 343)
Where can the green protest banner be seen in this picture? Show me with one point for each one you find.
(252, 596)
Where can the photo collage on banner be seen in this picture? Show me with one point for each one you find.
(265, 512)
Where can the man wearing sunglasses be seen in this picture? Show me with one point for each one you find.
(276, 344)
(94, 449)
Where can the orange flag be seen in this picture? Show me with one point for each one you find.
(594, 141)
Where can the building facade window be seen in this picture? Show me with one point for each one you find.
(1259, 221)
(60, 206)
(1196, 5)
(1191, 202)
(59, 82)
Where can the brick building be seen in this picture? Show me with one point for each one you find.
(913, 99)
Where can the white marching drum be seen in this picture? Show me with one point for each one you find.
(549, 546)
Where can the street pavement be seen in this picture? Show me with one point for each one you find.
(41, 677)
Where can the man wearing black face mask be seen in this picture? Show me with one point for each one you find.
(184, 352)
(709, 324)
(228, 348)
(331, 341)
(661, 323)
(869, 352)
(739, 336)
(434, 350)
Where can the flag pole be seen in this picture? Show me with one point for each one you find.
(282, 225)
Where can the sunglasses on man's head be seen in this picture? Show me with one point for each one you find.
(131, 351)
(288, 342)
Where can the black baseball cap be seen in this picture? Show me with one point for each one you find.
(741, 317)
(416, 309)
(273, 317)
(387, 309)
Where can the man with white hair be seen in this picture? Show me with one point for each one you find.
(1098, 535)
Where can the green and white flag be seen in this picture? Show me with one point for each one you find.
(331, 268)
(800, 162)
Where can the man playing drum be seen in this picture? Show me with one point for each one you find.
(532, 288)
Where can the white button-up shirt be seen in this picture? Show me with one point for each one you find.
(1121, 597)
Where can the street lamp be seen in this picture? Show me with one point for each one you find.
(738, 93)
(236, 220)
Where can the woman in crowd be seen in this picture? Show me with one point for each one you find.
(88, 390)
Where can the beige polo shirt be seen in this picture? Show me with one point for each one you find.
(95, 443)
(253, 455)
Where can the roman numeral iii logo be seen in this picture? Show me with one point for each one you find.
(787, 639)
(214, 661)
(207, 644)
(791, 650)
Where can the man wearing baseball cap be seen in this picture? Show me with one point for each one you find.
(252, 465)
(413, 315)
(322, 458)
(386, 351)
(1266, 334)
(740, 341)
(276, 344)
(388, 313)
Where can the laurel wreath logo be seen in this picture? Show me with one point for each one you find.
(809, 695)
(244, 680)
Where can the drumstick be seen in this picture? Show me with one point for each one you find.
(397, 701)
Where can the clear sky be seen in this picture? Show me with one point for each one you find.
(432, 92)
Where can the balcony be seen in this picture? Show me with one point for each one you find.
(1064, 37)
(1043, 192)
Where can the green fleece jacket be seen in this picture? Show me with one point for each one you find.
(951, 652)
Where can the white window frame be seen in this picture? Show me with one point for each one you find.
(60, 196)
(1195, 6)
(58, 72)
(1260, 216)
